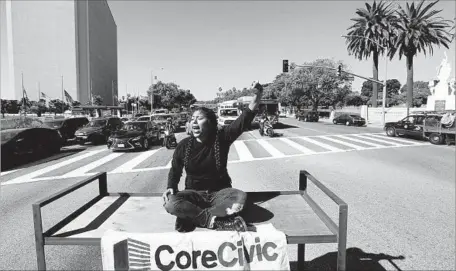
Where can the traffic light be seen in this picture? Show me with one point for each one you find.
(285, 65)
(339, 71)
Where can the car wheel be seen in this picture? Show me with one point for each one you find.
(335, 121)
(390, 131)
(146, 143)
(436, 139)
(347, 123)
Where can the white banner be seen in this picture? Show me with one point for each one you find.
(265, 249)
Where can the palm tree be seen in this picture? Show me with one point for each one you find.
(418, 30)
(374, 23)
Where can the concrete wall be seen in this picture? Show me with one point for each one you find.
(97, 28)
(43, 47)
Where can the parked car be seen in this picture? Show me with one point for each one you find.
(308, 116)
(134, 135)
(18, 145)
(350, 119)
(67, 127)
(98, 130)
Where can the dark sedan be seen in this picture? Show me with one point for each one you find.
(134, 135)
(350, 119)
(21, 145)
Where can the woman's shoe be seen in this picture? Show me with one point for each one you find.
(236, 223)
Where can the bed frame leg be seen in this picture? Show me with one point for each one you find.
(301, 256)
(39, 238)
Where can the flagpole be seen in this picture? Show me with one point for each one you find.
(63, 99)
(23, 98)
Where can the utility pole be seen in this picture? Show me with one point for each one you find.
(24, 102)
(151, 92)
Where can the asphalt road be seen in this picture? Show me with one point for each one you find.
(400, 193)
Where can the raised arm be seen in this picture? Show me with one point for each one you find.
(237, 127)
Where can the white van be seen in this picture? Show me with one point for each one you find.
(227, 115)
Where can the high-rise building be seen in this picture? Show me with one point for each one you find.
(47, 42)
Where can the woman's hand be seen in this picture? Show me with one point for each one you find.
(257, 85)
(165, 195)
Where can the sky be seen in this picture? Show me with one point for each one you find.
(204, 45)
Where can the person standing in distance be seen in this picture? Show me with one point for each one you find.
(208, 200)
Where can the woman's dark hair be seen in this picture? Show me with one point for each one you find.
(212, 118)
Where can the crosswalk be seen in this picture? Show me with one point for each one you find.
(100, 159)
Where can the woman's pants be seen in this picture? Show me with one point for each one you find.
(197, 208)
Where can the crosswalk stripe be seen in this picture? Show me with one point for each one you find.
(398, 140)
(30, 176)
(297, 146)
(8, 172)
(378, 140)
(326, 146)
(360, 141)
(128, 166)
(169, 163)
(82, 170)
(267, 146)
(356, 147)
(243, 152)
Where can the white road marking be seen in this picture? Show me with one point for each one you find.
(378, 140)
(397, 139)
(297, 146)
(30, 176)
(128, 166)
(344, 143)
(243, 152)
(326, 146)
(8, 172)
(82, 170)
(169, 164)
(360, 141)
(273, 151)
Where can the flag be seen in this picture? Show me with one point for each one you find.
(68, 97)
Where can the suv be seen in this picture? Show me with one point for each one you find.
(98, 130)
(308, 116)
(67, 127)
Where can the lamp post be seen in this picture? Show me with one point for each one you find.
(386, 73)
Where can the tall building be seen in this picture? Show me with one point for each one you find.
(50, 43)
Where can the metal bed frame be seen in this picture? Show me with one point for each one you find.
(338, 233)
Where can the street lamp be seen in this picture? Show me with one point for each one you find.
(152, 90)
(386, 73)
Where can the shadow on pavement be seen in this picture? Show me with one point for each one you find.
(357, 260)
(37, 159)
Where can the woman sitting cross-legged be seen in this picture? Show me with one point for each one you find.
(208, 200)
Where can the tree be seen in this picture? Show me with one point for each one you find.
(418, 30)
(57, 106)
(420, 93)
(373, 23)
(317, 84)
(392, 88)
(97, 100)
(75, 103)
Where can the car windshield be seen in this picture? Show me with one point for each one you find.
(229, 113)
(54, 124)
(96, 123)
(354, 116)
(138, 126)
(8, 134)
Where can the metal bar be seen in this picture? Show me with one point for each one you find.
(39, 240)
(72, 241)
(103, 184)
(72, 216)
(342, 238)
(301, 256)
(70, 189)
(334, 69)
(111, 194)
(321, 214)
(302, 180)
(323, 188)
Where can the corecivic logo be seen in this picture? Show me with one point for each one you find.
(212, 259)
